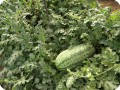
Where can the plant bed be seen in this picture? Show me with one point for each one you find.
(39, 37)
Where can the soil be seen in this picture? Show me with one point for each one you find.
(1, 68)
(111, 3)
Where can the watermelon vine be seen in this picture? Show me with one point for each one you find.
(33, 33)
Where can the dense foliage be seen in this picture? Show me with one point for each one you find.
(34, 32)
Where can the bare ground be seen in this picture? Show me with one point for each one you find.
(112, 3)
